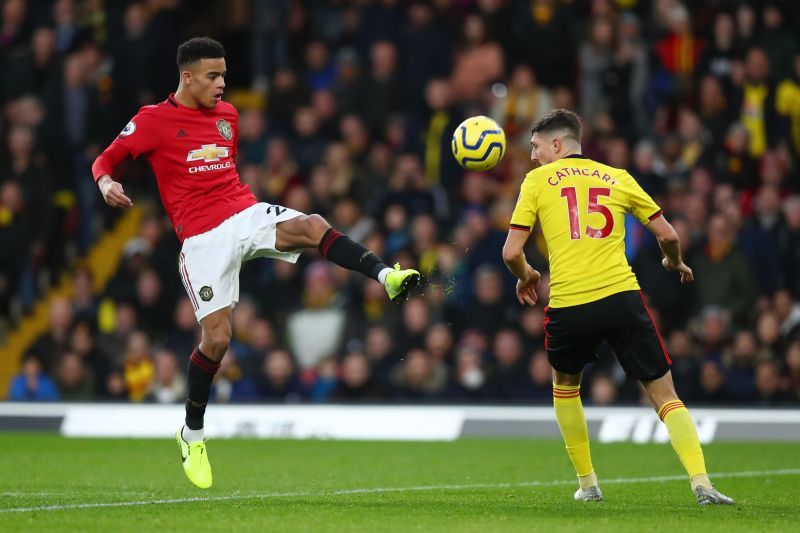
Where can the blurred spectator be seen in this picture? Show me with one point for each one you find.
(138, 369)
(778, 42)
(356, 382)
(760, 239)
(524, 103)
(723, 275)
(74, 380)
(416, 319)
(488, 312)
(740, 366)
(382, 88)
(231, 383)
(418, 377)
(712, 385)
(603, 391)
(278, 379)
(325, 381)
(55, 342)
(508, 380)
(113, 343)
(685, 363)
(478, 61)
(540, 378)
(787, 312)
(790, 258)
(793, 369)
(182, 336)
(468, 383)
(31, 384)
(82, 343)
(758, 102)
(720, 53)
(768, 390)
(348, 110)
(169, 385)
(323, 315)
(596, 56)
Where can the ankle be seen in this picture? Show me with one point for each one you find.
(700, 480)
(382, 275)
(588, 481)
(192, 435)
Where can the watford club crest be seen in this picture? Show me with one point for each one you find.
(224, 129)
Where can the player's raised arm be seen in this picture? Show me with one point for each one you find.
(140, 136)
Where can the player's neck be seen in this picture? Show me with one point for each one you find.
(571, 153)
(185, 99)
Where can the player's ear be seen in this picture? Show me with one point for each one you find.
(186, 77)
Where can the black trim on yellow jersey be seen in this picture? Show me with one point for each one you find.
(519, 227)
(655, 215)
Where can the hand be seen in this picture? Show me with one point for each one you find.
(526, 288)
(687, 276)
(113, 193)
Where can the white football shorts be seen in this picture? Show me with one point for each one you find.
(209, 263)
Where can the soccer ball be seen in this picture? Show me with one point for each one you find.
(478, 143)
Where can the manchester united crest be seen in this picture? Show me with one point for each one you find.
(224, 129)
(206, 293)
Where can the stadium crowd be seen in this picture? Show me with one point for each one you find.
(699, 100)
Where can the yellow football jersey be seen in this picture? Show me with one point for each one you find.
(581, 205)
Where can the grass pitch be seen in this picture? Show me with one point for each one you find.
(56, 484)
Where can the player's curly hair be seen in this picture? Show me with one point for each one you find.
(560, 120)
(198, 48)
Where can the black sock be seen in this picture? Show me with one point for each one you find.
(346, 253)
(200, 375)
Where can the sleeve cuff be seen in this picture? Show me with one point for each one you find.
(519, 227)
(655, 215)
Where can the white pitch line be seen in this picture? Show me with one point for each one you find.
(378, 490)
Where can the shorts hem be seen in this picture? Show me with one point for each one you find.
(201, 314)
(656, 376)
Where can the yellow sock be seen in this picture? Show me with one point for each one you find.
(572, 423)
(685, 442)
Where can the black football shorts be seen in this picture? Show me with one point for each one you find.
(572, 335)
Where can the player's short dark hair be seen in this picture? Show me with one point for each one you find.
(559, 120)
(199, 48)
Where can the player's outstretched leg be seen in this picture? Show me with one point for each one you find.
(684, 439)
(203, 365)
(572, 423)
(308, 231)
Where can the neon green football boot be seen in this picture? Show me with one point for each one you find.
(399, 282)
(195, 461)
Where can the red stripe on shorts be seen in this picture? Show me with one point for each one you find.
(658, 334)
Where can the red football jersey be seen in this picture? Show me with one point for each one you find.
(192, 154)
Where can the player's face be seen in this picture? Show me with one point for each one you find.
(207, 81)
(543, 149)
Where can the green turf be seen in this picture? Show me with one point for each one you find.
(293, 484)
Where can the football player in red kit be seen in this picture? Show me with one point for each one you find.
(190, 141)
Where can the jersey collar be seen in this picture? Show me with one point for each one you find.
(174, 103)
(575, 156)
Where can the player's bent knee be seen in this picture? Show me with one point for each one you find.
(316, 226)
(216, 345)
